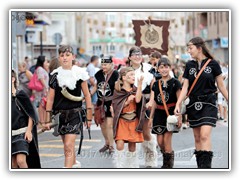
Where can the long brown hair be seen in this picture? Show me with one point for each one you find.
(15, 76)
(199, 42)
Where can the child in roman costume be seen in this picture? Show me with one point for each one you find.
(126, 119)
(142, 69)
(24, 131)
(171, 88)
(64, 97)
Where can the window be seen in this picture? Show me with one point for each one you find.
(215, 18)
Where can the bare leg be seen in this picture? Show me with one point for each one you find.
(14, 162)
(109, 125)
(104, 131)
(196, 132)
(205, 137)
(69, 150)
(167, 138)
(21, 161)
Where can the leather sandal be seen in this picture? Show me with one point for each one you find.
(111, 149)
(104, 148)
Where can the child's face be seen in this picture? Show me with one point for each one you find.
(164, 70)
(153, 61)
(130, 77)
(66, 59)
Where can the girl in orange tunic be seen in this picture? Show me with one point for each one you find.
(126, 122)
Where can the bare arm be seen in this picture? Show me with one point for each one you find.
(49, 105)
(94, 89)
(88, 101)
(181, 97)
(28, 134)
(139, 90)
(221, 87)
(92, 81)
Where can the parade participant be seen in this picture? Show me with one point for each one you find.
(126, 119)
(66, 84)
(201, 105)
(106, 78)
(24, 77)
(142, 69)
(171, 88)
(92, 69)
(154, 58)
(24, 132)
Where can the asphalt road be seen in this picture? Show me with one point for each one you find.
(51, 150)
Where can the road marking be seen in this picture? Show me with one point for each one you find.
(60, 146)
(77, 140)
(50, 155)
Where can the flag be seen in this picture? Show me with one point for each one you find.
(151, 35)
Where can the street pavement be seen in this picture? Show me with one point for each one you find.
(51, 150)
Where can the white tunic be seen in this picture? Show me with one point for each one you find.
(145, 73)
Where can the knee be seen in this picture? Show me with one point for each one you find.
(68, 149)
(204, 138)
(21, 162)
(197, 138)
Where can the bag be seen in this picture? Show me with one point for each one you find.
(35, 83)
(172, 123)
(184, 105)
(43, 102)
(99, 114)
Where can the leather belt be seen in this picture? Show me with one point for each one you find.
(168, 105)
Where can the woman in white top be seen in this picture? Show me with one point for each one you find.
(135, 60)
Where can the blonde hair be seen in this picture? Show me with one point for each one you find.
(123, 72)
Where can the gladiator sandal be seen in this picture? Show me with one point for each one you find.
(168, 160)
(205, 159)
(104, 148)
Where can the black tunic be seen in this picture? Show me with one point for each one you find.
(69, 122)
(22, 109)
(160, 116)
(202, 109)
(108, 90)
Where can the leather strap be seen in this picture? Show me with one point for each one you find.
(163, 99)
(198, 75)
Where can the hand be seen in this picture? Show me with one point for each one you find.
(28, 136)
(46, 127)
(179, 124)
(149, 105)
(150, 120)
(140, 80)
(177, 110)
(131, 98)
